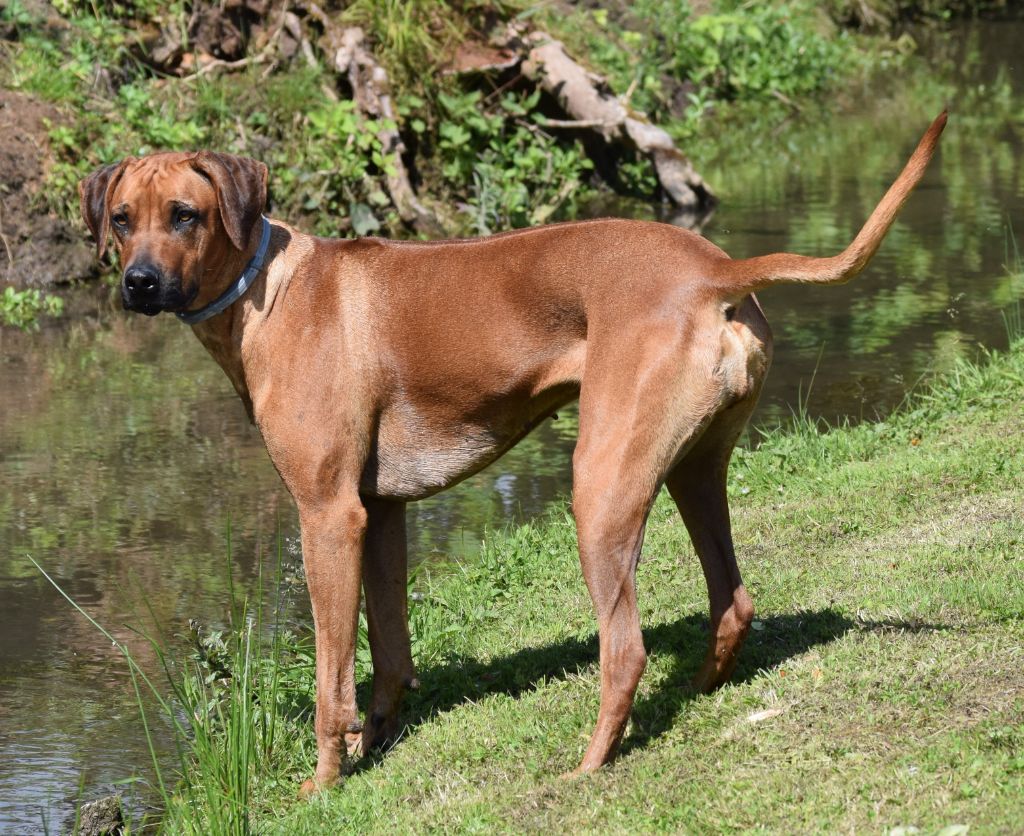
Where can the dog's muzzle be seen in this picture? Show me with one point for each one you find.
(145, 289)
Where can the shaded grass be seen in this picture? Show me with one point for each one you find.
(881, 687)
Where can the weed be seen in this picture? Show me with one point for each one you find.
(739, 60)
(1013, 317)
(225, 710)
(411, 34)
(746, 50)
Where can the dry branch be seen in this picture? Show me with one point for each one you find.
(372, 91)
(579, 93)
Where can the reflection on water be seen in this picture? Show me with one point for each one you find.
(124, 452)
(123, 458)
(939, 282)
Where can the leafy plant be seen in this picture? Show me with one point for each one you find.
(678, 65)
(745, 50)
(510, 170)
(337, 167)
(22, 308)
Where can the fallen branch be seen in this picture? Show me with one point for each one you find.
(579, 94)
(7, 246)
(371, 89)
(220, 64)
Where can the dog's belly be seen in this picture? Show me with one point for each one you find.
(418, 453)
(408, 469)
(438, 428)
(414, 457)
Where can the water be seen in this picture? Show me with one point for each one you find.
(124, 453)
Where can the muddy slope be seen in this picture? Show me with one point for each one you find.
(37, 249)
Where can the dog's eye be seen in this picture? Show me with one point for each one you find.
(120, 220)
(185, 216)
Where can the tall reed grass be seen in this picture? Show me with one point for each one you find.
(1013, 316)
(223, 707)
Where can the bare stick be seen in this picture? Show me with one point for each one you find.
(7, 246)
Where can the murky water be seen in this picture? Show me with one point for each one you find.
(124, 453)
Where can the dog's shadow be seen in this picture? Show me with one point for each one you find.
(775, 639)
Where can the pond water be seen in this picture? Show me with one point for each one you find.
(124, 453)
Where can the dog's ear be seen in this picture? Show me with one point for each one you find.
(94, 193)
(241, 185)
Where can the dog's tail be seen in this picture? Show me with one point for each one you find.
(742, 276)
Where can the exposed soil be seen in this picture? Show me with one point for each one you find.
(36, 247)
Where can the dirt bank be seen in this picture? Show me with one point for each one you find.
(37, 249)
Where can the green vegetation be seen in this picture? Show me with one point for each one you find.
(22, 308)
(228, 728)
(514, 174)
(683, 66)
(481, 150)
(881, 687)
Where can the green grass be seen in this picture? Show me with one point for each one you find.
(882, 686)
(225, 706)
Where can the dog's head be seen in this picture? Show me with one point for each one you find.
(180, 221)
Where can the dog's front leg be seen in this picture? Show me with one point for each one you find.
(332, 551)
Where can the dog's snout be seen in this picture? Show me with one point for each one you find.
(148, 289)
(142, 281)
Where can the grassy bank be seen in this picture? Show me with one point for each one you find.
(882, 686)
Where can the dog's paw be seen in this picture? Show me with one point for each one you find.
(354, 746)
(575, 775)
(381, 732)
(313, 786)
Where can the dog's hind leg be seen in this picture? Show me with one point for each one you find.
(610, 528)
(633, 426)
(385, 579)
(698, 486)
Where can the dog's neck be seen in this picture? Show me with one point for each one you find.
(221, 335)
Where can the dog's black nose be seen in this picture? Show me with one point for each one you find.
(141, 282)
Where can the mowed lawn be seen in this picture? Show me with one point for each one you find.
(882, 686)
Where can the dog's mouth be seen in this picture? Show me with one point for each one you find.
(147, 308)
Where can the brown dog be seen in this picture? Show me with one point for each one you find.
(382, 372)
